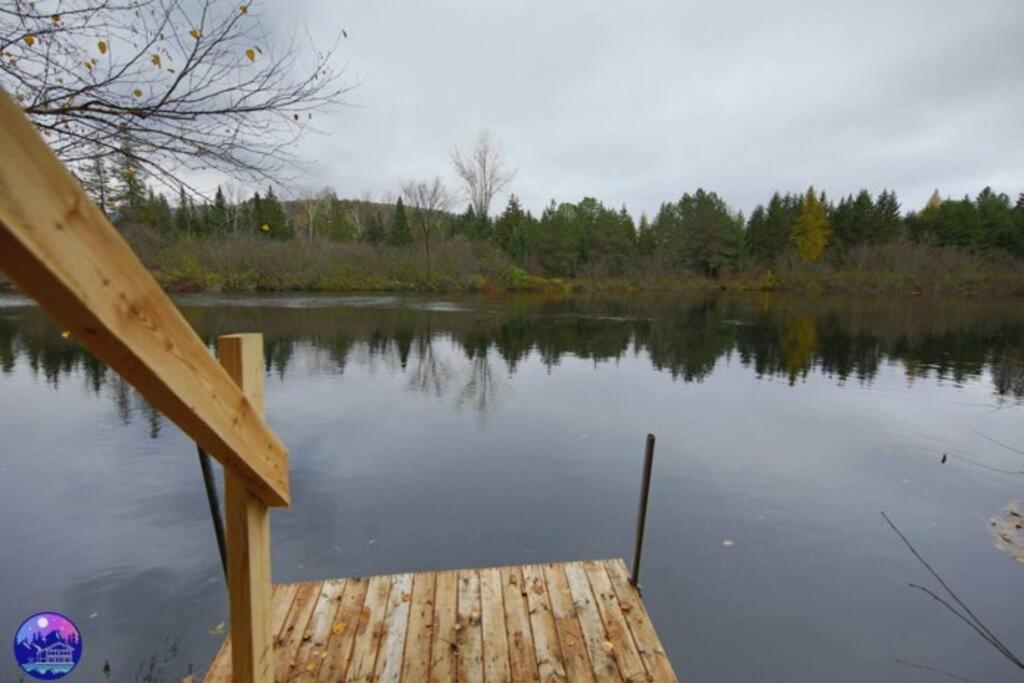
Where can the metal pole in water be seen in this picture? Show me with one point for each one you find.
(211, 498)
(645, 488)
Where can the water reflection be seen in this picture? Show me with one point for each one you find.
(774, 336)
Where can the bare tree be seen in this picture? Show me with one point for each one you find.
(484, 171)
(315, 203)
(429, 201)
(194, 84)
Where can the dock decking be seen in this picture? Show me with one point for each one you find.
(574, 621)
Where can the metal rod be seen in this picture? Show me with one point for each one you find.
(211, 498)
(645, 488)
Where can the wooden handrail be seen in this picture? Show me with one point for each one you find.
(59, 248)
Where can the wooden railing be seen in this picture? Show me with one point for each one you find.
(59, 248)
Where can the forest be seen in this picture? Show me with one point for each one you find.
(795, 240)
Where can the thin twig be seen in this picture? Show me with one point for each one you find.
(967, 615)
(925, 667)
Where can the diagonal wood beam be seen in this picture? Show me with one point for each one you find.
(60, 249)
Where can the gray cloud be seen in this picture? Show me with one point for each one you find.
(639, 102)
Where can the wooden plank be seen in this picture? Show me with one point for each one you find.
(521, 654)
(578, 665)
(550, 662)
(289, 637)
(220, 670)
(247, 523)
(313, 649)
(470, 638)
(598, 647)
(492, 617)
(396, 625)
(651, 651)
(416, 664)
(282, 597)
(445, 644)
(616, 630)
(344, 630)
(60, 249)
(370, 630)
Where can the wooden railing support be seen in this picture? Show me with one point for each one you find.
(248, 532)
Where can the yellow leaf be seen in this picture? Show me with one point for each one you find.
(265, 228)
(156, 60)
(244, 9)
(219, 628)
(195, 33)
(30, 40)
(311, 667)
(607, 646)
(137, 92)
(66, 333)
(88, 65)
(406, 597)
(56, 18)
(102, 45)
(251, 54)
(339, 627)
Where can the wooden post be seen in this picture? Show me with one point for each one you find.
(248, 531)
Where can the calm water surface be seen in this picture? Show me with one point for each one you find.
(430, 433)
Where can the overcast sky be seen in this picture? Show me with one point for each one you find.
(637, 102)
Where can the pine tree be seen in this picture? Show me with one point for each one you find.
(275, 222)
(130, 193)
(183, 214)
(219, 214)
(96, 182)
(646, 243)
(400, 234)
(511, 230)
(811, 230)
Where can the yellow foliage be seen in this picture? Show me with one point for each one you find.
(811, 229)
(251, 54)
(102, 45)
(137, 92)
(195, 33)
(156, 60)
(30, 40)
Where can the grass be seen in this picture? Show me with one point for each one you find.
(254, 263)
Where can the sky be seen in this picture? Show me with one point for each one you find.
(637, 102)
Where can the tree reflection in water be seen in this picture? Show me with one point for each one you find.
(454, 350)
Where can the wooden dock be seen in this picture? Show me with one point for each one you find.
(576, 621)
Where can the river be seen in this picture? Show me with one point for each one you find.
(445, 432)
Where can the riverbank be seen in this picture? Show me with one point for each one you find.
(243, 264)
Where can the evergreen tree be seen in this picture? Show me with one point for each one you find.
(888, 221)
(400, 234)
(275, 223)
(96, 182)
(130, 193)
(158, 213)
(183, 214)
(219, 214)
(646, 244)
(768, 230)
(811, 230)
(510, 230)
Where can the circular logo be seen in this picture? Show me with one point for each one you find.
(47, 646)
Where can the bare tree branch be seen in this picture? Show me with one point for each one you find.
(484, 172)
(194, 84)
(429, 201)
